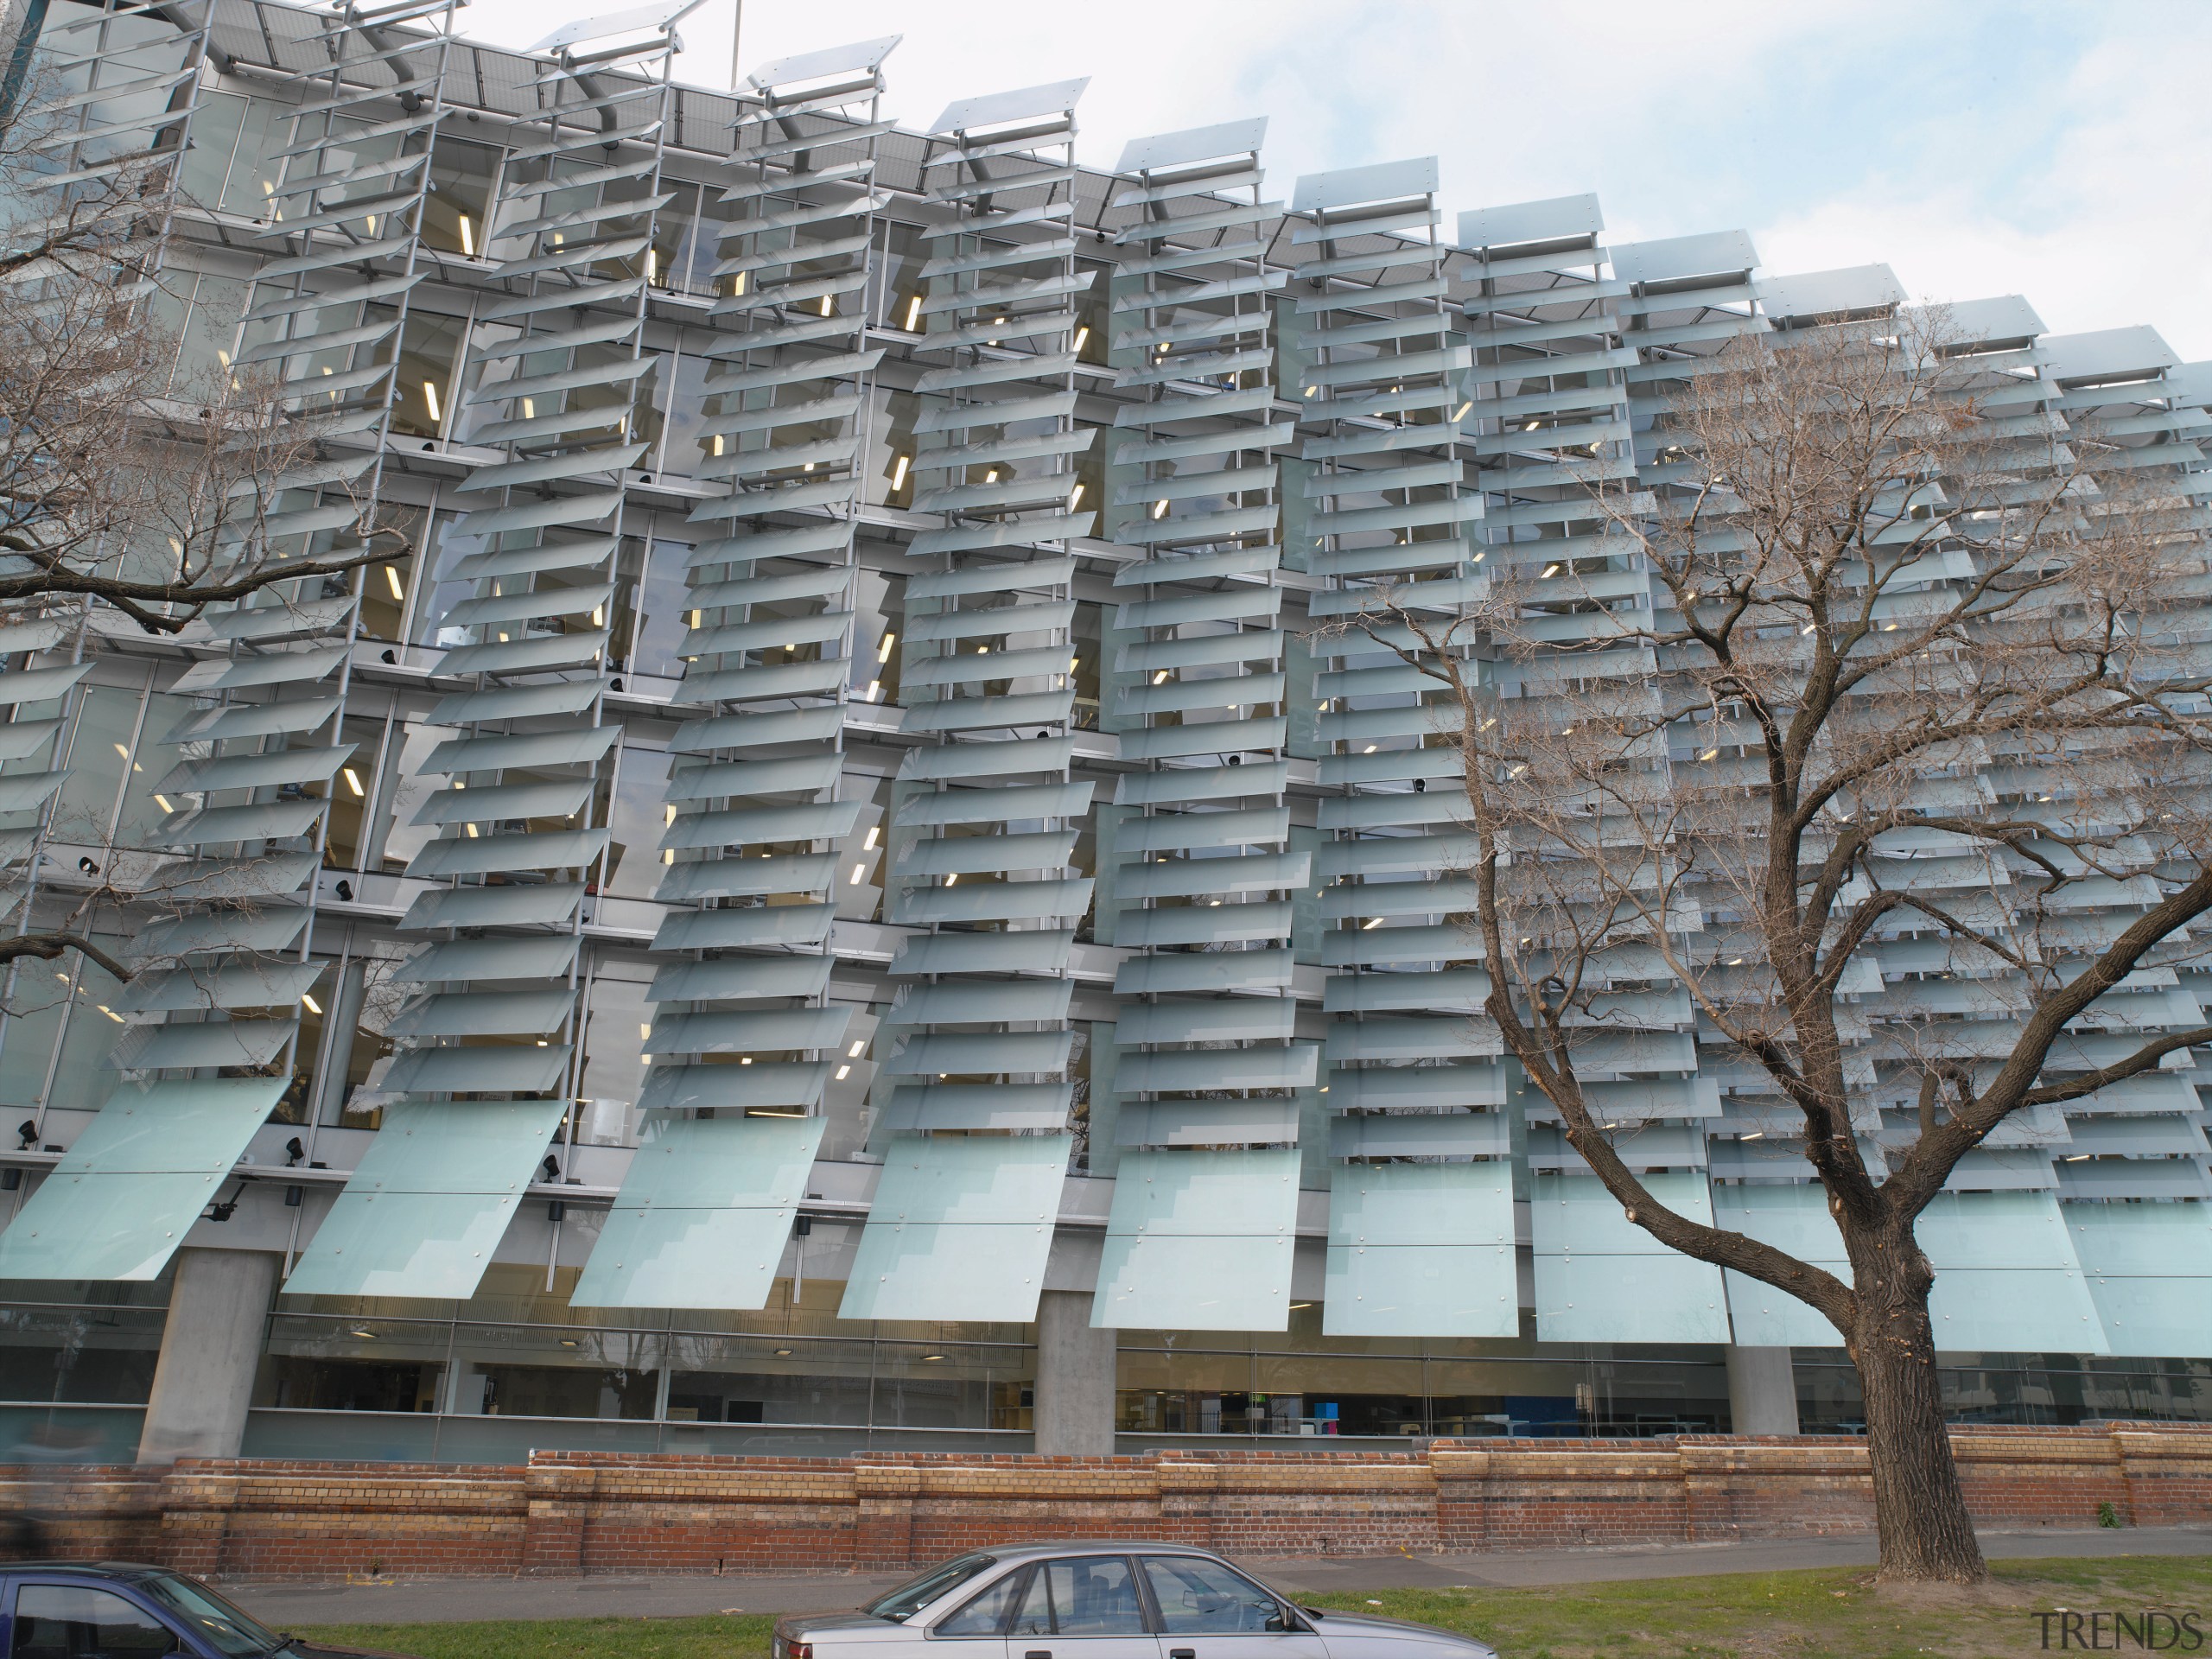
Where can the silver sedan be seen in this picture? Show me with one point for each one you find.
(1097, 1601)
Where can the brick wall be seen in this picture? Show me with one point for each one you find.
(571, 1512)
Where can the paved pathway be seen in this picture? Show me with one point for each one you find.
(407, 1601)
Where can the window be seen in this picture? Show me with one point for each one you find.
(1203, 1598)
(917, 1593)
(69, 1621)
(221, 1625)
(1086, 1595)
(986, 1614)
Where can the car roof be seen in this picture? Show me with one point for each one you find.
(1088, 1547)
(95, 1569)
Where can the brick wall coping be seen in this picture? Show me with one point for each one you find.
(565, 1513)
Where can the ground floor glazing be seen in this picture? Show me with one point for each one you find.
(515, 1368)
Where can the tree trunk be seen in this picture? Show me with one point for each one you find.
(1920, 1509)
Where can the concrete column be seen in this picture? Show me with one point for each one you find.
(211, 1347)
(1762, 1391)
(1075, 1378)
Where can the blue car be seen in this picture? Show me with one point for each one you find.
(110, 1610)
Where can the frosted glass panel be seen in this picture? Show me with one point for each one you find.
(1421, 1250)
(430, 1200)
(1793, 1219)
(702, 1214)
(1601, 1278)
(2150, 1271)
(959, 1229)
(123, 1197)
(1200, 1241)
(2006, 1277)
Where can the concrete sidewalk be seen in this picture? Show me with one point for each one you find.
(409, 1601)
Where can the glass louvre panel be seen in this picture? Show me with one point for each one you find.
(1218, 1068)
(1399, 1135)
(217, 1042)
(700, 1033)
(268, 820)
(1242, 1019)
(702, 1214)
(959, 1229)
(277, 668)
(429, 1201)
(1199, 1241)
(958, 1004)
(1206, 1123)
(998, 953)
(732, 976)
(996, 1051)
(500, 854)
(795, 1084)
(2006, 1277)
(2150, 1271)
(477, 1070)
(1601, 1278)
(976, 1106)
(123, 1197)
(547, 958)
(513, 906)
(40, 684)
(1422, 1249)
(461, 1014)
(255, 985)
(1793, 1218)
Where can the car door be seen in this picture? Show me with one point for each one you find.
(1081, 1607)
(976, 1628)
(1208, 1610)
(60, 1619)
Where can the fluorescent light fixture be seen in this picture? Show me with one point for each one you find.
(430, 397)
(309, 1003)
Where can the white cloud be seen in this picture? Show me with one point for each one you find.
(1977, 149)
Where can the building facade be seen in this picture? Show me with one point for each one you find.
(760, 932)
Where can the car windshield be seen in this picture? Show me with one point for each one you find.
(228, 1629)
(911, 1597)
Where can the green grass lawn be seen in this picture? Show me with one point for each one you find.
(1837, 1614)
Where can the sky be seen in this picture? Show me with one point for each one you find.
(2061, 151)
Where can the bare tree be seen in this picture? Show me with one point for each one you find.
(1898, 610)
(158, 499)
(127, 486)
